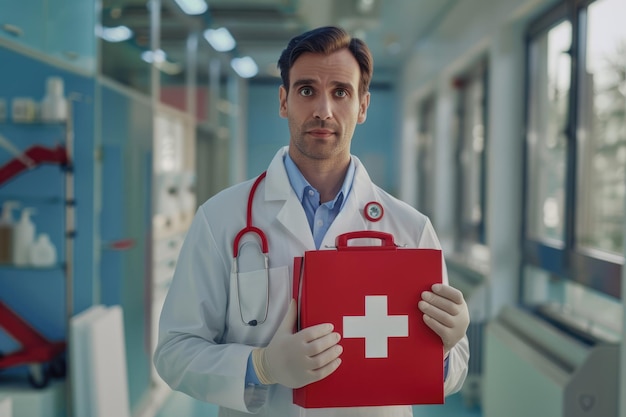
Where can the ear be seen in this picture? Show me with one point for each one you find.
(365, 103)
(282, 98)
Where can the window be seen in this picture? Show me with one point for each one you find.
(426, 158)
(575, 153)
(580, 308)
(602, 128)
(549, 67)
(471, 157)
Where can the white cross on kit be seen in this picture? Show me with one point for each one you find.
(376, 326)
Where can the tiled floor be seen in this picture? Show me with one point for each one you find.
(180, 405)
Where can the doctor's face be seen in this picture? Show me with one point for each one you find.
(323, 106)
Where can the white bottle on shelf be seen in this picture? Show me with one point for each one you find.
(7, 232)
(23, 238)
(54, 104)
(42, 252)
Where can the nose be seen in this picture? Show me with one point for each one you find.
(323, 110)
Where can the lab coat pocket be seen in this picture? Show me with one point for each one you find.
(258, 301)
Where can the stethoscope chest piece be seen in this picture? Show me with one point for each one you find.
(373, 211)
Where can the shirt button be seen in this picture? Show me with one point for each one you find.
(320, 223)
(311, 193)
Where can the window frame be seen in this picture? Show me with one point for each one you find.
(426, 177)
(479, 70)
(593, 268)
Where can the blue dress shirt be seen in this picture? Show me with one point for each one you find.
(320, 216)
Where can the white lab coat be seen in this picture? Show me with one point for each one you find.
(203, 344)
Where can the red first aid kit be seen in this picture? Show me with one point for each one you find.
(370, 295)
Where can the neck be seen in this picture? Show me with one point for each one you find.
(325, 176)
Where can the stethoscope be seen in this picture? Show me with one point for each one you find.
(373, 212)
(252, 229)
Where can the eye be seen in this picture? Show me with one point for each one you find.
(306, 91)
(341, 93)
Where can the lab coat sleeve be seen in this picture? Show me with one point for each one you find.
(458, 357)
(189, 356)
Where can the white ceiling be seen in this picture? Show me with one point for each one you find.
(390, 27)
(262, 28)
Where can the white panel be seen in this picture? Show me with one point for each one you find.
(109, 387)
(28, 402)
(6, 407)
(80, 368)
(98, 363)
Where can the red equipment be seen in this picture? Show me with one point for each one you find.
(38, 155)
(370, 295)
(43, 357)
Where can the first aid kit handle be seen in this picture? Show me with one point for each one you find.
(386, 239)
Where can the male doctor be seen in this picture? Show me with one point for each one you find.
(226, 329)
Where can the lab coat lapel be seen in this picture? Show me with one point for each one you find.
(294, 219)
(291, 215)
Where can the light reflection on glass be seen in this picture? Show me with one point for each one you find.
(602, 129)
(547, 112)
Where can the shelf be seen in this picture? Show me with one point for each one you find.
(46, 151)
(57, 266)
(165, 227)
(8, 122)
(29, 199)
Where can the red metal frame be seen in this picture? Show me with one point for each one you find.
(35, 347)
(38, 155)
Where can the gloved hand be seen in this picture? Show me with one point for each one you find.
(445, 312)
(298, 359)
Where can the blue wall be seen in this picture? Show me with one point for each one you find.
(126, 132)
(113, 167)
(39, 295)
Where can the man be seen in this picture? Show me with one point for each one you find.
(226, 327)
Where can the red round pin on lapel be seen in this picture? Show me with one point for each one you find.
(373, 211)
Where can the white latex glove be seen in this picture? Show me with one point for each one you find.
(445, 312)
(298, 359)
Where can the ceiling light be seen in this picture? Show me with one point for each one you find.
(170, 68)
(245, 67)
(116, 34)
(220, 39)
(192, 7)
(365, 6)
(154, 57)
(158, 58)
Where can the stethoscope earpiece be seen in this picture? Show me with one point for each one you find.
(252, 323)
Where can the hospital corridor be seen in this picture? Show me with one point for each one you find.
(372, 208)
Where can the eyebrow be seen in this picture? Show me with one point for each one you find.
(310, 81)
(302, 82)
(345, 86)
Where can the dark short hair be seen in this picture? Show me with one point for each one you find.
(326, 40)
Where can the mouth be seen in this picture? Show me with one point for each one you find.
(321, 133)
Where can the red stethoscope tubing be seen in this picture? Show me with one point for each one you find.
(249, 228)
(376, 215)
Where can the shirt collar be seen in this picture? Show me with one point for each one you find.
(300, 184)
